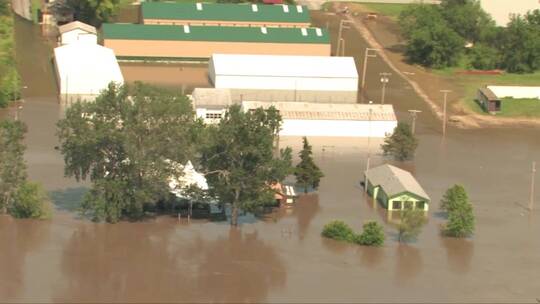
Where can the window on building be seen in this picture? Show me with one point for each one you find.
(213, 115)
(409, 205)
(420, 205)
(396, 205)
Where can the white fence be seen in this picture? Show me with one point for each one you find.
(515, 91)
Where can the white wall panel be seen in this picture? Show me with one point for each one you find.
(337, 128)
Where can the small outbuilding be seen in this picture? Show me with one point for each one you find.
(84, 70)
(77, 31)
(322, 79)
(331, 120)
(395, 188)
(211, 104)
(489, 101)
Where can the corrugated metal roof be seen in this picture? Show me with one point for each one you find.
(394, 181)
(212, 33)
(327, 111)
(76, 25)
(489, 94)
(284, 66)
(225, 12)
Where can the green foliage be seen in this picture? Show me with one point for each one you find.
(401, 144)
(93, 12)
(461, 219)
(29, 202)
(467, 18)
(12, 166)
(520, 46)
(125, 146)
(307, 172)
(410, 226)
(9, 77)
(4, 8)
(339, 231)
(483, 57)
(239, 157)
(373, 235)
(453, 198)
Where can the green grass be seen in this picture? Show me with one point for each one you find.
(35, 5)
(387, 9)
(511, 107)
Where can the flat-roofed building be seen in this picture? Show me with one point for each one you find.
(321, 79)
(221, 14)
(331, 120)
(168, 42)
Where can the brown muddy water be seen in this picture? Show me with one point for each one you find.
(282, 258)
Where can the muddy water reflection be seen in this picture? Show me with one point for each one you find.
(459, 254)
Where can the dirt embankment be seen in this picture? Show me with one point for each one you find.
(383, 33)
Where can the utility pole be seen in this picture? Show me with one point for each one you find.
(366, 55)
(533, 173)
(366, 182)
(342, 47)
(384, 81)
(343, 24)
(414, 113)
(445, 92)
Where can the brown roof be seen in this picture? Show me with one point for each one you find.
(327, 111)
(77, 25)
(489, 94)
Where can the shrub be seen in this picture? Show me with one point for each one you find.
(373, 235)
(29, 202)
(339, 231)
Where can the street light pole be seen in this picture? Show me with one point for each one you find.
(384, 81)
(343, 24)
(366, 182)
(342, 47)
(413, 115)
(366, 55)
(445, 92)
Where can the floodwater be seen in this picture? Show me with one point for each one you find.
(282, 258)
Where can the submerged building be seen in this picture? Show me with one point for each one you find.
(170, 42)
(224, 14)
(322, 79)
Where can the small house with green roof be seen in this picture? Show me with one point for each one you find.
(395, 188)
(225, 14)
(170, 42)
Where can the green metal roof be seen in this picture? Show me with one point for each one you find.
(225, 12)
(213, 33)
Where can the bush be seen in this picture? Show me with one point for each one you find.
(460, 222)
(483, 57)
(373, 235)
(339, 231)
(401, 144)
(453, 198)
(29, 202)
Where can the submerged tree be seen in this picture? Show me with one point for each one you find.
(307, 172)
(412, 221)
(401, 144)
(372, 235)
(124, 142)
(239, 158)
(460, 212)
(12, 166)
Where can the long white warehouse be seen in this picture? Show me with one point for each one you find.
(286, 78)
(331, 120)
(84, 70)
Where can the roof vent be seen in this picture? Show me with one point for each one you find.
(285, 8)
(318, 31)
(186, 29)
(263, 30)
(304, 32)
(199, 6)
(254, 8)
(299, 9)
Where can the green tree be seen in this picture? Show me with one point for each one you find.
(339, 231)
(124, 142)
(29, 202)
(461, 222)
(307, 173)
(401, 144)
(410, 226)
(372, 235)
(93, 12)
(12, 166)
(467, 18)
(483, 57)
(453, 198)
(239, 158)
(520, 45)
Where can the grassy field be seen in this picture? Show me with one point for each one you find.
(520, 108)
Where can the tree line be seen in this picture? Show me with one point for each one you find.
(126, 140)
(458, 31)
(9, 77)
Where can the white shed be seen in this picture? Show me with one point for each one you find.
(517, 92)
(332, 120)
(77, 31)
(84, 70)
(286, 78)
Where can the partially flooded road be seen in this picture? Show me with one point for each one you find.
(282, 258)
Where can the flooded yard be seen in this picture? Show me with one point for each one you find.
(282, 258)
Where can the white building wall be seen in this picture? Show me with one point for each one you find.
(78, 35)
(515, 91)
(285, 83)
(337, 128)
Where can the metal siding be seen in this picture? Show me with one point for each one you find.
(286, 83)
(336, 128)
